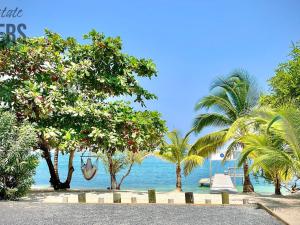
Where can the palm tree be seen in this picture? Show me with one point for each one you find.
(177, 152)
(275, 148)
(231, 99)
(267, 155)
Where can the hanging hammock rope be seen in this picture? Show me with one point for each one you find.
(88, 169)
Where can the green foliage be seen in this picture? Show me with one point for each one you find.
(5, 41)
(178, 152)
(17, 162)
(131, 132)
(232, 99)
(286, 81)
(274, 147)
(127, 129)
(62, 85)
(68, 90)
(121, 161)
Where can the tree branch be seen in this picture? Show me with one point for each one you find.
(126, 174)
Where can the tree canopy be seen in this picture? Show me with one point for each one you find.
(286, 81)
(231, 99)
(68, 90)
(273, 144)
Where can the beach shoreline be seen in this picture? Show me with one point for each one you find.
(92, 196)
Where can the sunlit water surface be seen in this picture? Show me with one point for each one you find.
(152, 173)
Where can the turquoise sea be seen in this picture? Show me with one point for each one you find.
(152, 173)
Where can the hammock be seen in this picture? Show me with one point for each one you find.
(88, 169)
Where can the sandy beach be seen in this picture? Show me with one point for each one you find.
(92, 196)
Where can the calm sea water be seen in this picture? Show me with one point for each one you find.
(152, 173)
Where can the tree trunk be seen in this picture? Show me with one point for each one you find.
(178, 178)
(113, 182)
(56, 152)
(67, 183)
(125, 175)
(54, 180)
(248, 187)
(277, 186)
(113, 179)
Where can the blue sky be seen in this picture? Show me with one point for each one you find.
(191, 42)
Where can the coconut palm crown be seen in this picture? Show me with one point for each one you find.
(176, 151)
(275, 146)
(231, 98)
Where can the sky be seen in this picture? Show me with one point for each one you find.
(191, 42)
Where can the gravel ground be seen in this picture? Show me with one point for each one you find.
(141, 214)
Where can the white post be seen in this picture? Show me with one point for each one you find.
(170, 201)
(65, 199)
(101, 200)
(207, 201)
(245, 201)
(133, 200)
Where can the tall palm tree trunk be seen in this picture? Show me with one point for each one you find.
(247, 187)
(178, 178)
(277, 185)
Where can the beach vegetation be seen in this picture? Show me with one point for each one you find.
(285, 83)
(136, 133)
(231, 98)
(17, 162)
(274, 145)
(121, 162)
(177, 150)
(68, 89)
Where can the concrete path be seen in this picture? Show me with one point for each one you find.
(288, 207)
(222, 182)
(28, 213)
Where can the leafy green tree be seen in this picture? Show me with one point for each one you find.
(17, 163)
(274, 146)
(64, 86)
(131, 131)
(231, 99)
(286, 82)
(121, 161)
(177, 152)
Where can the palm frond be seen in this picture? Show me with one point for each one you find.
(190, 162)
(220, 102)
(228, 87)
(209, 143)
(210, 119)
(238, 128)
(166, 156)
(234, 146)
